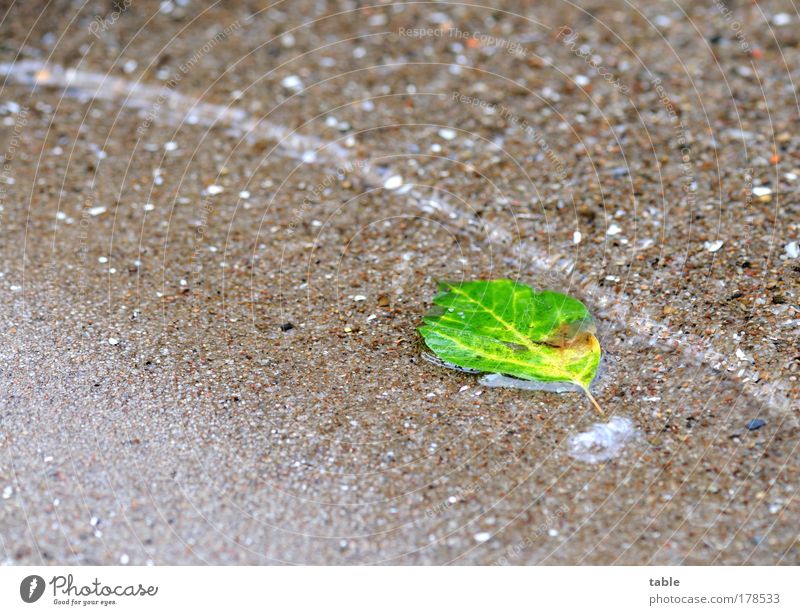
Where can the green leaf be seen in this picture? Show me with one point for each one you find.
(501, 326)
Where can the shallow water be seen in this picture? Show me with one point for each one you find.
(509, 382)
(604, 441)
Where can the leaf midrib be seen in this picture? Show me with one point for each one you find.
(526, 341)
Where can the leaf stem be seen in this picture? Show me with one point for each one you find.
(594, 401)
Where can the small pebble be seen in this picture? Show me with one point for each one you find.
(124, 559)
(482, 536)
(792, 250)
(763, 193)
(755, 424)
(447, 134)
(287, 326)
(214, 189)
(113, 341)
(713, 246)
(740, 354)
(393, 183)
(782, 19)
(614, 230)
(96, 211)
(292, 82)
(7, 492)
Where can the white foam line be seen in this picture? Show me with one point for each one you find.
(172, 105)
(87, 84)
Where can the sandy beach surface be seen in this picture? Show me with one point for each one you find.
(221, 224)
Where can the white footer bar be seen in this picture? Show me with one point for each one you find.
(388, 590)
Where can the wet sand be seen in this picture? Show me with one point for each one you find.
(219, 238)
